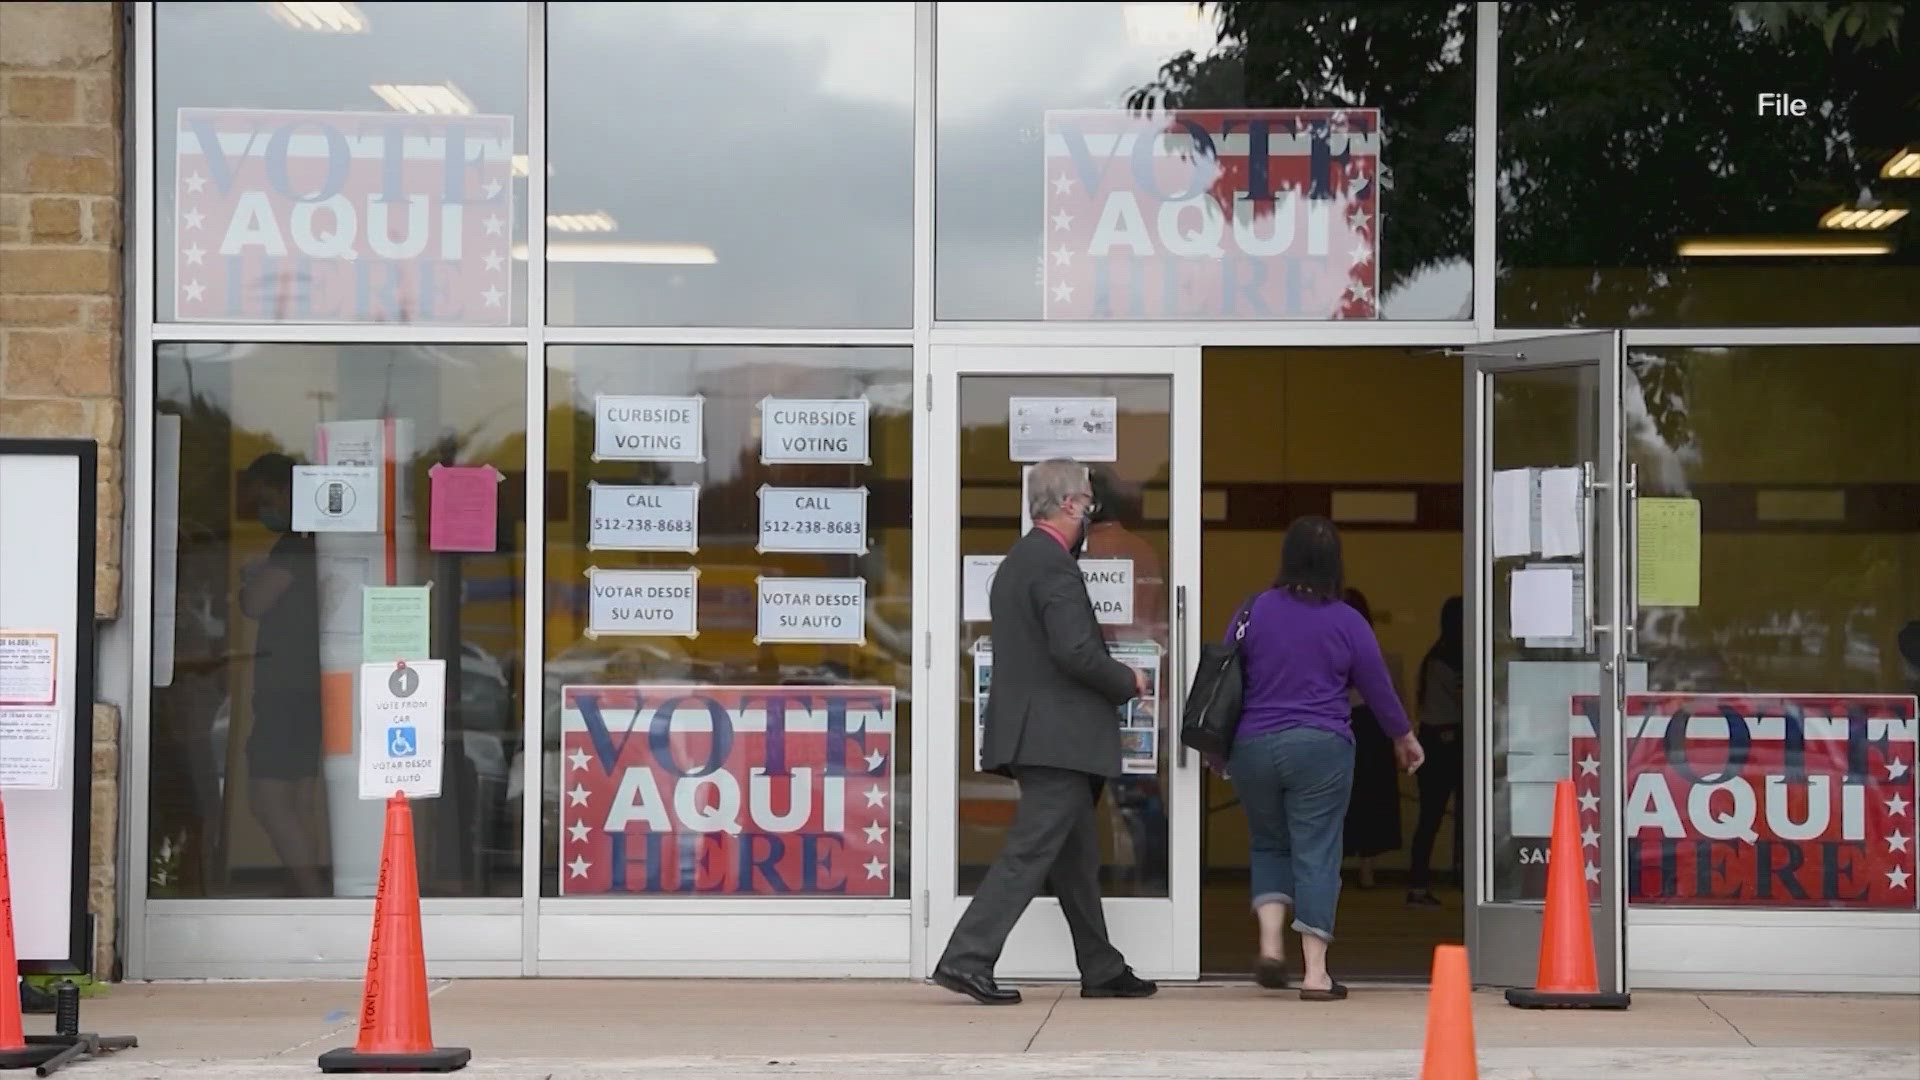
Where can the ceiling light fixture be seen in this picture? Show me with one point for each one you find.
(1861, 217)
(322, 18)
(1903, 165)
(438, 99)
(1783, 246)
(600, 251)
(598, 221)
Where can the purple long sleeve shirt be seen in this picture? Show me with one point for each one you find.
(1300, 657)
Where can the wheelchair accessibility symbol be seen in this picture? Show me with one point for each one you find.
(401, 742)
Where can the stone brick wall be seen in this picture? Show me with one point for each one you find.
(61, 263)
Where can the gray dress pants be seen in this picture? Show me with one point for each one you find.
(1053, 842)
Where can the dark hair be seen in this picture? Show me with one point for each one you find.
(270, 468)
(1310, 560)
(1357, 600)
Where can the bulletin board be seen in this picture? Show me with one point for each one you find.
(47, 519)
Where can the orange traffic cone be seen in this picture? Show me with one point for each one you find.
(1450, 1054)
(1566, 979)
(396, 1034)
(16, 1052)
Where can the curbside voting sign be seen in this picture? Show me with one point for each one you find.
(402, 728)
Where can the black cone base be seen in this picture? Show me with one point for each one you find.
(1539, 999)
(35, 1054)
(439, 1059)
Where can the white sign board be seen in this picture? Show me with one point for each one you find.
(1110, 588)
(814, 431)
(818, 611)
(1083, 429)
(29, 667)
(643, 603)
(644, 518)
(976, 586)
(627, 428)
(336, 498)
(30, 749)
(813, 520)
(403, 710)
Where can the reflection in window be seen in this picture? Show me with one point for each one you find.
(1653, 140)
(729, 621)
(310, 480)
(731, 164)
(1217, 161)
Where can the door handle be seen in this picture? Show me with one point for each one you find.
(1179, 673)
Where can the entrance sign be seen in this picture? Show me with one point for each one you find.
(814, 432)
(629, 428)
(1083, 429)
(813, 520)
(1760, 800)
(644, 518)
(336, 498)
(812, 611)
(29, 667)
(403, 709)
(1212, 214)
(1110, 589)
(647, 603)
(727, 790)
(342, 217)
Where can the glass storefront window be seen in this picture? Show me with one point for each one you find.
(729, 621)
(302, 503)
(1204, 162)
(1771, 761)
(368, 173)
(730, 164)
(1677, 173)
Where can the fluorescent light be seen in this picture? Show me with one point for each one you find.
(598, 221)
(1750, 246)
(603, 251)
(1904, 164)
(1861, 217)
(322, 18)
(1164, 24)
(440, 99)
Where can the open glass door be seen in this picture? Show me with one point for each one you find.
(1545, 671)
(1132, 415)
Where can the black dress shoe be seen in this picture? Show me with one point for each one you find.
(1124, 985)
(980, 988)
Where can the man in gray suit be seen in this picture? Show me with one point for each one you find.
(1051, 725)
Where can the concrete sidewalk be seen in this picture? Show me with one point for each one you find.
(692, 1028)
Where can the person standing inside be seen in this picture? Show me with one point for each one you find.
(1373, 808)
(1051, 725)
(1442, 704)
(1292, 757)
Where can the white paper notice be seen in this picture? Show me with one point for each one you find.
(403, 708)
(813, 520)
(640, 518)
(1562, 513)
(813, 611)
(1084, 429)
(30, 749)
(1576, 639)
(627, 428)
(1541, 604)
(1110, 588)
(28, 663)
(336, 498)
(643, 603)
(814, 431)
(976, 586)
(1512, 512)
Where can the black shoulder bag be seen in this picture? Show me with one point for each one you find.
(1219, 684)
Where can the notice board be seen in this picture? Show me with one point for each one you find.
(47, 518)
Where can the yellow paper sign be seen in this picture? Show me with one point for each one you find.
(1669, 553)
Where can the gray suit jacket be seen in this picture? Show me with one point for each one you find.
(1055, 687)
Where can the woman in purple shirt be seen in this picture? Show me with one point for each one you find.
(1292, 758)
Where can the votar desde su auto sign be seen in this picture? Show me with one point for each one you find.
(727, 790)
(1772, 801)
(1212, 214)
(342, 217)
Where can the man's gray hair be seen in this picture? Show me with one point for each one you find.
(1051, 483)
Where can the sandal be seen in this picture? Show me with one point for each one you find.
(1336, 992)
(1270, 973)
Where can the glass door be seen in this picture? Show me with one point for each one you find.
(1546, 672)
(1131, 414)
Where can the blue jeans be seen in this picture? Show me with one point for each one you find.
(1294, 784)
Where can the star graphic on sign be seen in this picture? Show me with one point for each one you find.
(876, 796)
(876, 870)
(494, 224)
(1589, 766)
(195, 290)
(1360, 291)
(579, 866)
(195, 254)
(196, 182)
(876, 834)
(1897, 878)
(1361, 253)
(1062, 184)
(1062, 256)
(578, 759)
(1590, 837)
(494, 260)
(1593, 872)
(494, 296)
(1896, 768)
(1358, 219)
(875, 760)
(578, 830)
(1589, 802)
(1898, 841)
(492, 188)
(1896, 806)
(194, 219)
(1063, 292)
(578, 795)
(1062, 221)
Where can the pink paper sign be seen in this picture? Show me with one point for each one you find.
(465, 508)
